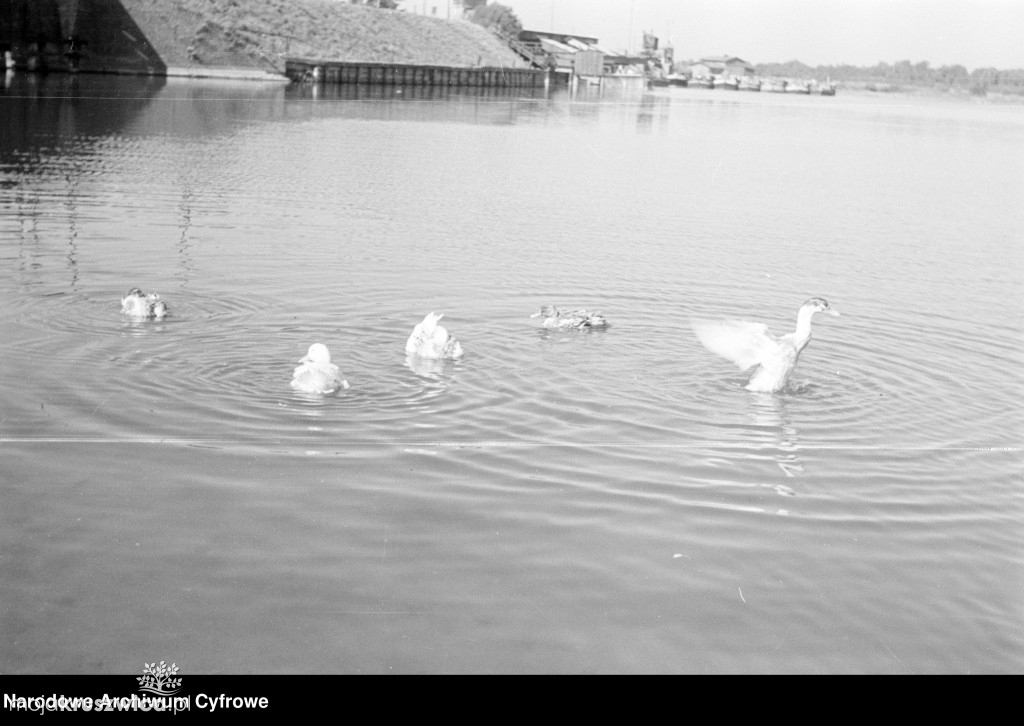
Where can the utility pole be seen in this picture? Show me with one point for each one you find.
(629, 45)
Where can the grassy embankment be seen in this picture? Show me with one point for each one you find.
(262, 33)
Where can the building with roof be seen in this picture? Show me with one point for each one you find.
(569, 54)
(721, 65)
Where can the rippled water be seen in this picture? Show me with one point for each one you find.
(611, 501)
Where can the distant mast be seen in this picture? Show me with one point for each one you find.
(629, 48)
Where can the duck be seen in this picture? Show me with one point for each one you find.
(137, 304)
(430, 340)
(317, 374)
(577, 319)
(752, 346)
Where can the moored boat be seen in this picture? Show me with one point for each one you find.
(824, 88)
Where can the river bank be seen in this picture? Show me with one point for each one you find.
(954, 93)
(198, 37)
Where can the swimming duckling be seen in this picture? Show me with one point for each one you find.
(157, 307)
(137, 304)
(317, 374)
(430, 340)
(752, 345)
(554, 318)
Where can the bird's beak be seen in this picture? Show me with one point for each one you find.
(536, 315)
(833, 311)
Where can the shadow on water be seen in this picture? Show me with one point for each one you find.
(78, 106)
(56, 125)
(46, 113)
(652, 108)
(475, 105)
(82, 111)
(470, 105)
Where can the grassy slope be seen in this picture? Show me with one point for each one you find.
(261, 33)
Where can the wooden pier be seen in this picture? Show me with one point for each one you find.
(399, 74)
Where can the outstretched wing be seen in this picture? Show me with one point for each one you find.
(745, 344)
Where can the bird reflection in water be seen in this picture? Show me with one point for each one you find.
(768, 412)
(426, 367)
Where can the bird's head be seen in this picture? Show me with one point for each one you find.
(547, 311)
(820, 305)
(317, 353)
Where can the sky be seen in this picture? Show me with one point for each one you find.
(971, 33)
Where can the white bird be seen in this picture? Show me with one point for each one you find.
(430, 340)
(317, 374)
(554, 318)
(752, 345)
(137, 304)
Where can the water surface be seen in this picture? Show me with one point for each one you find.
(602, 502)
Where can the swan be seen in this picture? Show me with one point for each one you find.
(752, 345)
(317, 374)
(554, 318)
(430, 340)
(137, 304)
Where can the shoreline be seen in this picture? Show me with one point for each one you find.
(224, 38)
(950, 94)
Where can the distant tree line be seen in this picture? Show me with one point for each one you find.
(885, 76)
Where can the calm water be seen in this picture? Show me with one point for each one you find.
(568, 503)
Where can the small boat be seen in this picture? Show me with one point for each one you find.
(773, 85)
(749, 84)
(701, 82)
(798, 87)
(674, 79)
(728, 84)
(823, 88)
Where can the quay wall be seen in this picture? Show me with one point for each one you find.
(390, 74)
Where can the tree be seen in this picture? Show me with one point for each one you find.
(498, 19)
(952, 75)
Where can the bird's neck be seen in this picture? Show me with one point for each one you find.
(803, 328)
